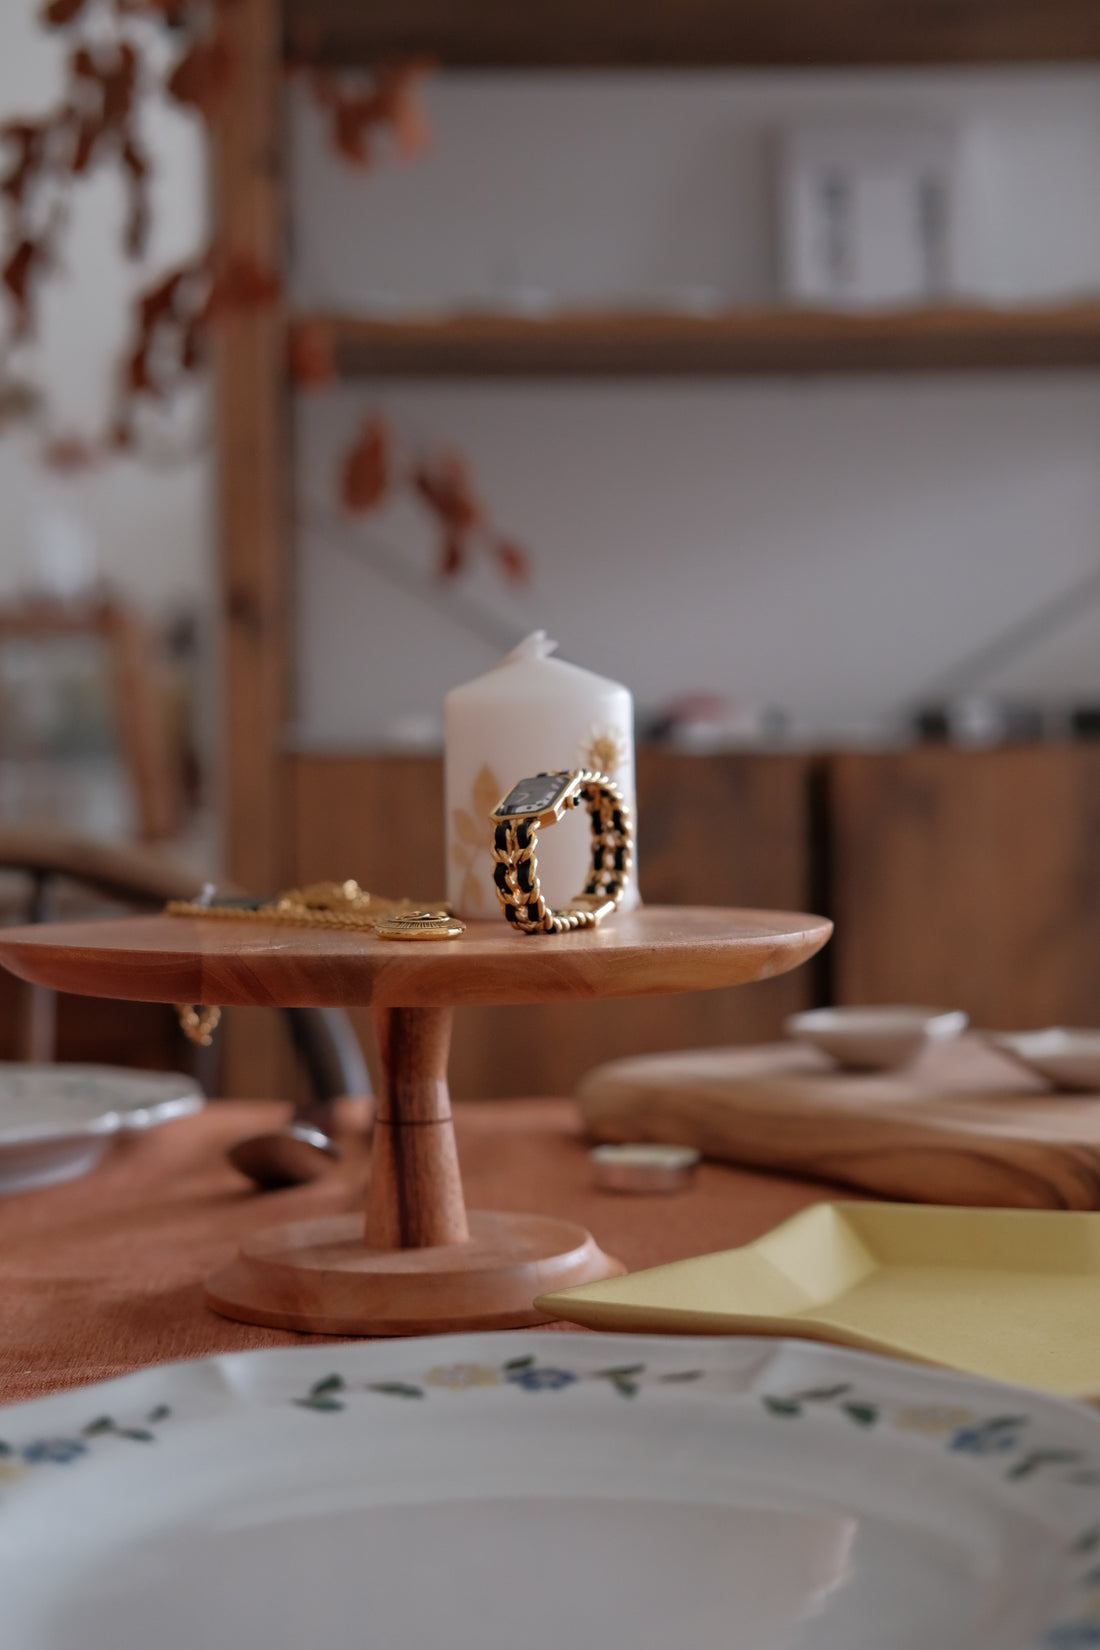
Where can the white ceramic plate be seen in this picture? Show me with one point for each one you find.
(550, 1492)
(56, 1121)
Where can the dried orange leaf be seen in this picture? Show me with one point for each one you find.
(57, 13)
(513, 561)
(366, 472)
(70, 454)
(242, 283)
(203, 74)
(312, 354)
(27, 258)
(454, 553)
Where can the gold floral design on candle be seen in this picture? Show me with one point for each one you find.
(529, 714)
(473, 833)
(604, 750)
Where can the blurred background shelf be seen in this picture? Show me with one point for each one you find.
(797, 838)
(692, 33)
(749, 341)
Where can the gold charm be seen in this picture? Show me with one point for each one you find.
(420, 925)
(198, 1023)
(326, 896)
(341, 905)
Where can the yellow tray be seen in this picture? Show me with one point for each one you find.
(1009, 1293)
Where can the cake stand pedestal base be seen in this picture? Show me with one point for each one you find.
(317, 1276)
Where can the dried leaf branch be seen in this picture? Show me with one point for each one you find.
(371, 475)
(109, 73)
(362, 109)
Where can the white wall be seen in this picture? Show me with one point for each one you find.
(604, 187)
(150, 525)
(831, 545)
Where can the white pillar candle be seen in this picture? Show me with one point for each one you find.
(530, 714)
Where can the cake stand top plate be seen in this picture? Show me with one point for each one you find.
(233, 961)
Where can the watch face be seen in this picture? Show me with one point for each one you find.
(532, 796)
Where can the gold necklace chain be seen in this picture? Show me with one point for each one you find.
(339, 905)
(320, 905)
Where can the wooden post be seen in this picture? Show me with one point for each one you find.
(253, 509)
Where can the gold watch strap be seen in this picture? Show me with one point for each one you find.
(515, 868)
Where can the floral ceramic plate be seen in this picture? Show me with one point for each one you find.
(550, 1491)
(56, 1120)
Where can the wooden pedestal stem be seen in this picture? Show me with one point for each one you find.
(419, 1264)
(415, 1199)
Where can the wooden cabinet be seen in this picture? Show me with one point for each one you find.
(969, 878)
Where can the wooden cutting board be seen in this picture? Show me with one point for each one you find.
(962, 1125)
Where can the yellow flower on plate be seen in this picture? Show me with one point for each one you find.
(933, 1419)
(461, 1376)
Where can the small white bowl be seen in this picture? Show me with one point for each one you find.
(875, 1038)
(1067, 1058)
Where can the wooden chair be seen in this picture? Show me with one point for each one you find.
(134, 687)
(144, 879)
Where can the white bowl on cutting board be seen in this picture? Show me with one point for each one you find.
(1068, 1058)
(879, 1037)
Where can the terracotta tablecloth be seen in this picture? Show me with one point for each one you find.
(103, 1274)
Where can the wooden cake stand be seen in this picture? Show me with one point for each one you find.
(421, 1263)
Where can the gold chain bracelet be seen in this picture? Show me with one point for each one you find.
(198, 1022)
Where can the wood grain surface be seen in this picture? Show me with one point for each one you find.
(416, 1188)
(254, 665)
(692, 33)
(963, 1125)
(970, 878)
(201, 960)
(319, 1277)
(617, 343)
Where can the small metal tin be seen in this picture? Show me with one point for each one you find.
(644, 1166)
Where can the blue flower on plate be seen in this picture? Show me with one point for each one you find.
(540, 1380)
(60, 1450)
(989, 1437)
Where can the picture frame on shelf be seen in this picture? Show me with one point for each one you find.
(868, 213)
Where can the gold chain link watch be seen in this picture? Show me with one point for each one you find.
(542, 800)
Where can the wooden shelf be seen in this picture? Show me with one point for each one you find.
(692, 33)
(766, 341)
